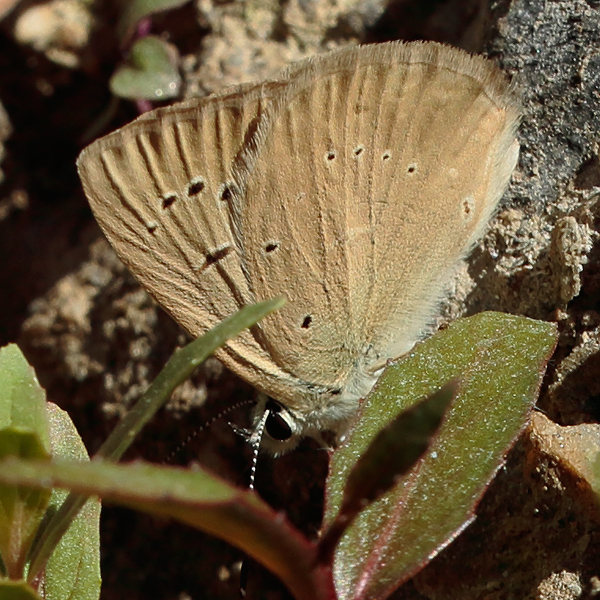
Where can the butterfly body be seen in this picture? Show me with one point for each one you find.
(352, 185)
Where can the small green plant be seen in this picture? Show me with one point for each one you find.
(33, 429)
(404, 482)
(151, 71)
(49, 540)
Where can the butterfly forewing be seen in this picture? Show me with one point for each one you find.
(160, 188)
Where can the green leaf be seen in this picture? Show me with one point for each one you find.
(22, 399)
(500, 360)
(198, 499)
(73, 570)
(394, 451)
(21, 509)
(23, 433)
(151, 73)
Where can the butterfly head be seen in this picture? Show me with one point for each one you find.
(284, 427)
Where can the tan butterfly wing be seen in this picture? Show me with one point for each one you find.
(159, 189)
(375, 172)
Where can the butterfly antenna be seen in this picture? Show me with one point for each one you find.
(206, 425)
(254, 440)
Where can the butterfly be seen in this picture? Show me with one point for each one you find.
(352, 185)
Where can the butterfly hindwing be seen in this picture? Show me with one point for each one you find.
(372, 177)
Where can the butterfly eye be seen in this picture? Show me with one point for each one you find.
(277, 426)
